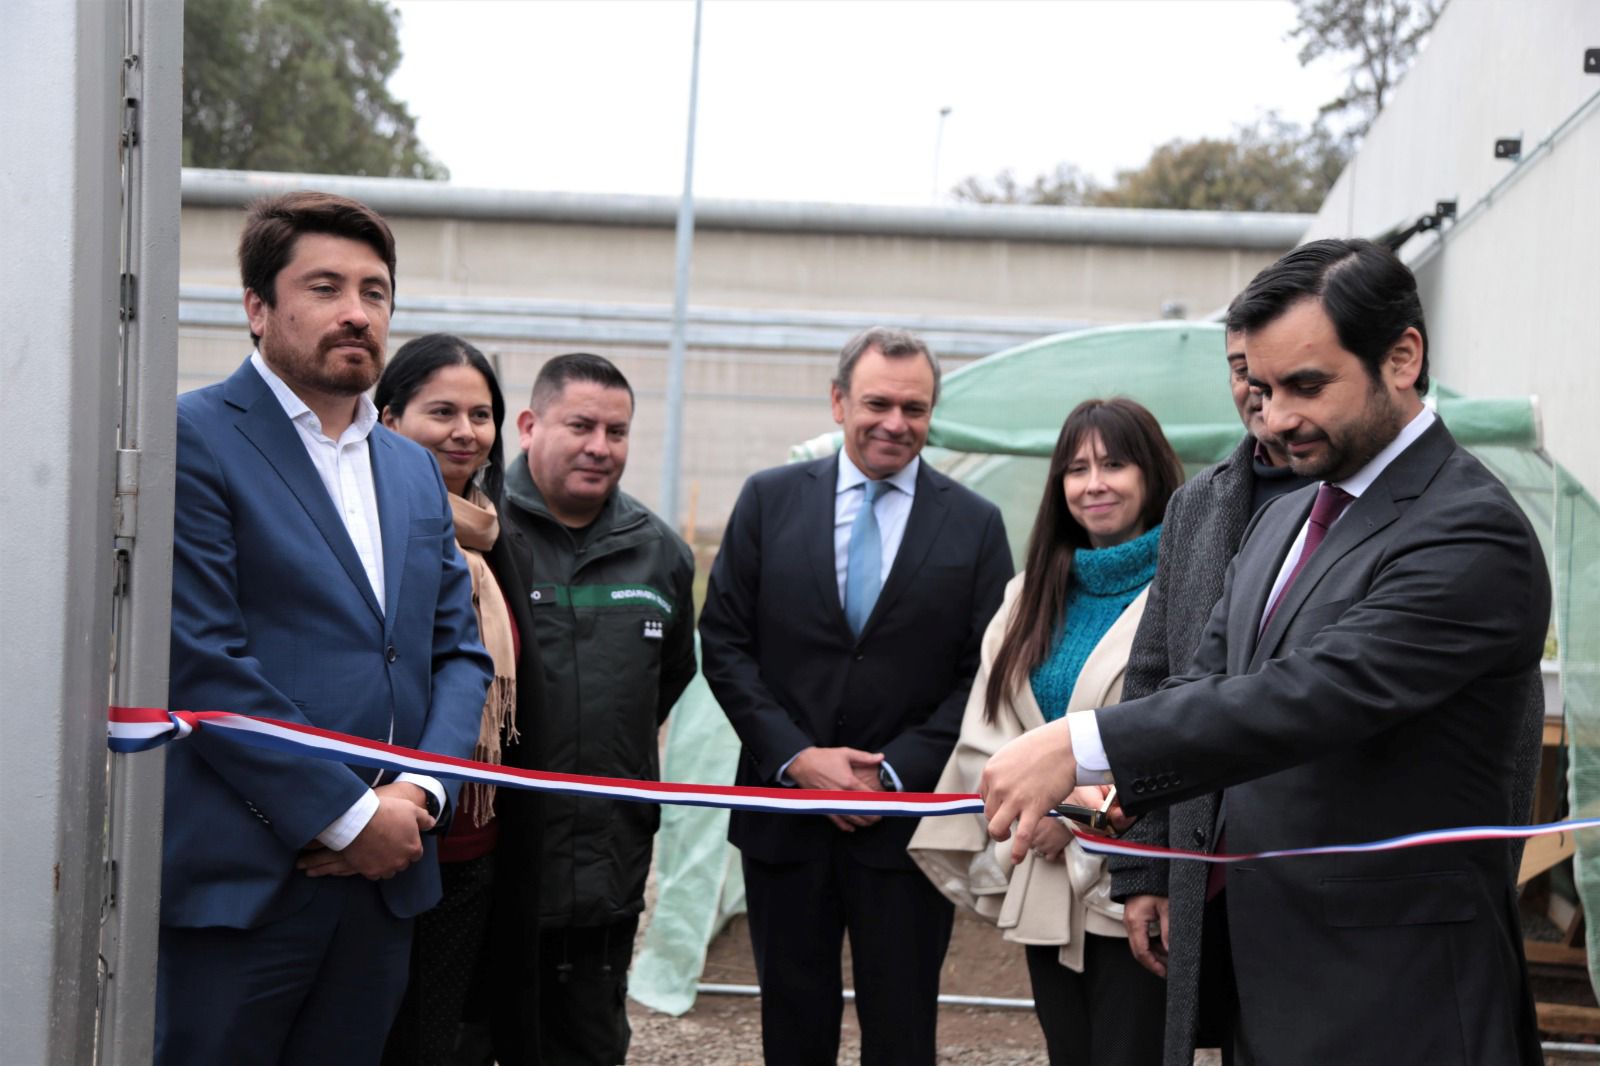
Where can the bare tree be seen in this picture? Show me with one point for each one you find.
(1380, 37)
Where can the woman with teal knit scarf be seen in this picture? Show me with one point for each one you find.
(1060, 642)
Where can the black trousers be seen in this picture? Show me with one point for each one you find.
(1219, 996)
(447, 954)
(583, 994)
(1111, 1014)
(899, 928)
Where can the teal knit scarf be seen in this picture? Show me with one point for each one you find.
(1103, 582)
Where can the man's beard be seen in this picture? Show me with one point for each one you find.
(316, 370)
(1354, 444)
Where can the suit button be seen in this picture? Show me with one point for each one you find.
(1199, 838)
(391, 654)
(860, 656)
(1138, 787)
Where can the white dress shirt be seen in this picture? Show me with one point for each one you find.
(345, 467)
(1093, 766)
(893, 509)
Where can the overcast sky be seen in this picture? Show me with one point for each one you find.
(834, 100)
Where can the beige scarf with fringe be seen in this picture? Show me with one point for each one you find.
(477, 526)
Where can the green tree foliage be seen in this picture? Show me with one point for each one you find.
(1270, 166)
(1381, 36)
(297, 85)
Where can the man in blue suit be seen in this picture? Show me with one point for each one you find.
(315, 580)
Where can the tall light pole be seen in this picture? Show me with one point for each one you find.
(938, 146)
(673, 437)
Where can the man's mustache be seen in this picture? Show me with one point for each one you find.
(351, 336)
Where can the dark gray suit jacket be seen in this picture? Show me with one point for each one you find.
(1387, 695)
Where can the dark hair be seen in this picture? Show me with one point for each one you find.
(420, 359)
(894, 344)
(1130, 433)
(575, 366)
(273, 224)
(1366, 291)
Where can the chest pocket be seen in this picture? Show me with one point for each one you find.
(427, 526)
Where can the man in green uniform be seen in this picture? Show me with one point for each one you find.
(610, 586)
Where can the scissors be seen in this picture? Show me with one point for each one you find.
(1097, 819)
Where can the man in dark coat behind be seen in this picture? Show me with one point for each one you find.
(1205, 521)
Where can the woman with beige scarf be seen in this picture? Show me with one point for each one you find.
(441, 392)
(1060, 642)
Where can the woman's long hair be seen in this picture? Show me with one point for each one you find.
(1131, 434)
(416, 362)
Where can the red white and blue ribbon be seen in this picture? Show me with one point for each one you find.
(133, 729)
(141, 728)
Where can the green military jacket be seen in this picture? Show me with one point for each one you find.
(613, 612)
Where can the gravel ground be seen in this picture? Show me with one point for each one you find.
(725, 1030)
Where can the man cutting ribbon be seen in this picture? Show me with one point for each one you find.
(1364, 674)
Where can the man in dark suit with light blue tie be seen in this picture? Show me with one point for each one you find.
(1363, 676)
(840, 635)
(315, 580)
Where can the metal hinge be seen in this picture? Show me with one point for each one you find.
(130, 298)
(124, 518)
(130, 121)
(125, 505)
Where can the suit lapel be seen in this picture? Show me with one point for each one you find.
(928, 510)
(1254, 576)
(1377, 508)
(816, 510)
(1364, 518)
(394, 515)
(1234, 492)
(264, 423)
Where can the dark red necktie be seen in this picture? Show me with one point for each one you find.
(1331, 502)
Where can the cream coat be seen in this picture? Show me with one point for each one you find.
(1038, 902)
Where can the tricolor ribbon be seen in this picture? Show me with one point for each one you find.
(132, 729)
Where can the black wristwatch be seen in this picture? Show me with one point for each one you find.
(431, 803)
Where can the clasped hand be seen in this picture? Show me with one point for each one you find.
(390, 841)
(841, 770)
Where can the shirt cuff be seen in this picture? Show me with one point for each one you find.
(783, 771)
(894, 778)
(345, 828)
(1093, 766)
(428, 785)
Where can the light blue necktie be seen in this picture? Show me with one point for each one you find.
(864, 561)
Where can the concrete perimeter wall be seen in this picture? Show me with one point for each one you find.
(777, 289)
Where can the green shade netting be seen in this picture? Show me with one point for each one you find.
(994, 428)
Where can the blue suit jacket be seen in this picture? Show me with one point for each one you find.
(273, 615)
